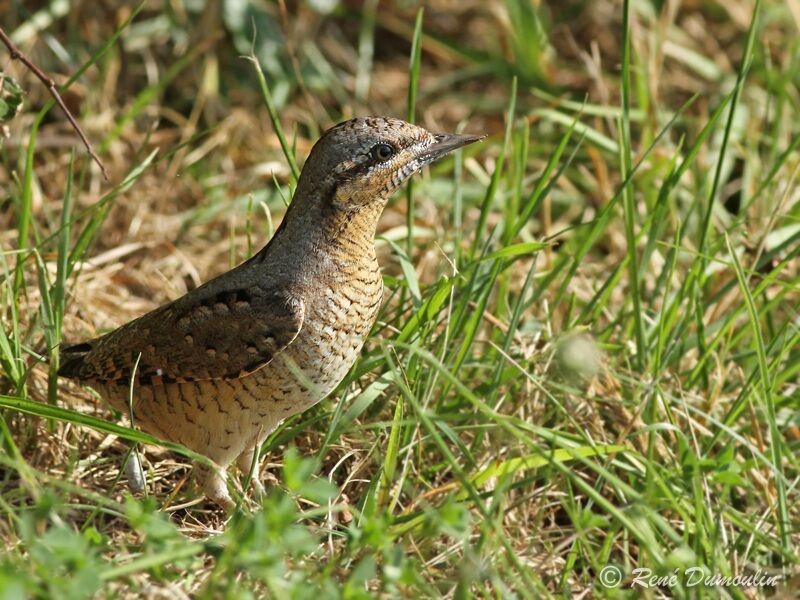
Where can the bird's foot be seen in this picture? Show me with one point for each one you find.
(213, 482)
(259, 492)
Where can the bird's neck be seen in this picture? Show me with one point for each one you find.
(350, 236)
(316, 236)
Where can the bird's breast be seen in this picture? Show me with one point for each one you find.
(340, 311)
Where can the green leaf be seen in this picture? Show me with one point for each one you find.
(10, 98)
(522, 249)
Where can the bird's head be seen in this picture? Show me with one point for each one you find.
(362, 161)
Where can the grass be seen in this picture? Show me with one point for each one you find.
(588, 351)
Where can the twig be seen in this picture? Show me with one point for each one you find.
(51, 86)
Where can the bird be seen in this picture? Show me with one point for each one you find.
(218, 369)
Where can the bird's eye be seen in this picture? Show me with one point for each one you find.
(382, 152)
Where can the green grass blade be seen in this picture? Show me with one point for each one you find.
(767, 399)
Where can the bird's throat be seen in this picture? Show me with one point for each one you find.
(322, 237)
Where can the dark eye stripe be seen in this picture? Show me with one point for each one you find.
(369, 160)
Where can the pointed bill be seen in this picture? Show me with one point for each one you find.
(447, 142)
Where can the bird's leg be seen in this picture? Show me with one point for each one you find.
(245, 464)
(213, 482)
(134, 473)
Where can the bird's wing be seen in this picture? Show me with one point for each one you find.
(207, 334)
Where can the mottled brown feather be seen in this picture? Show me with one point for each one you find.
(213, 334)
(219, 368)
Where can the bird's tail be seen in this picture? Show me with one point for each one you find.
(72, 359)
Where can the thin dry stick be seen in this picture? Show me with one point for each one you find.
(51, 86)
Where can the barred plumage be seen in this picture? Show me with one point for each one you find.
(219, 368)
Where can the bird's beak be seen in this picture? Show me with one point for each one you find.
(447, 142)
